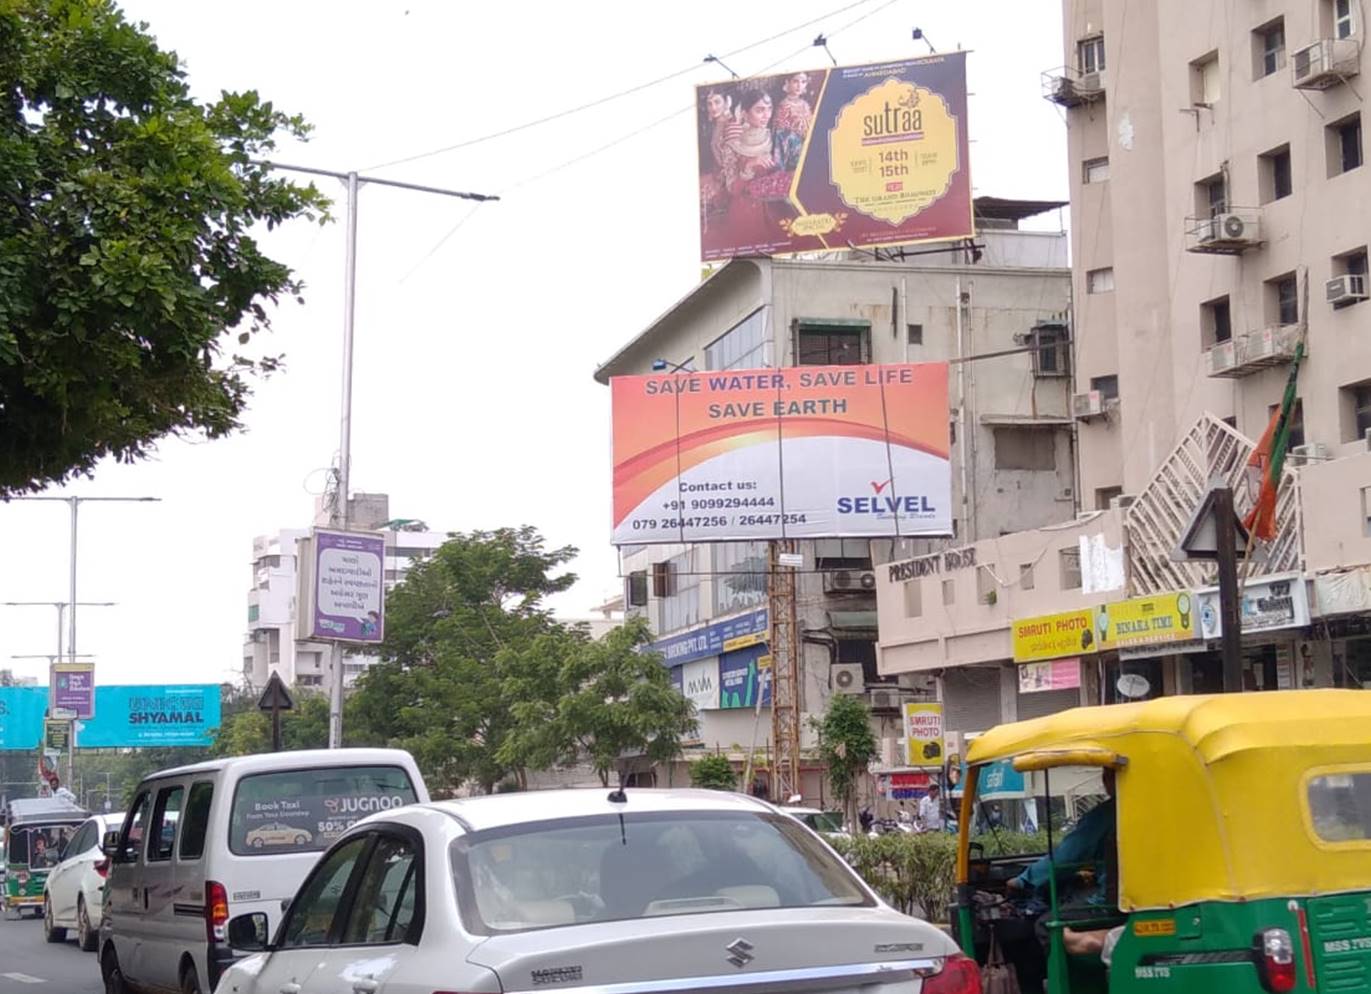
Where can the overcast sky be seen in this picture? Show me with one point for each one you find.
(474, 405)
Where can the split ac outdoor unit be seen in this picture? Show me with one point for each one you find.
(1325, 63)
(1085, 406)
(847, 678)
(845, 581)
(1303, 455)
(1346, 288)
(885, 700)
(1229, 229)
(1222, 358)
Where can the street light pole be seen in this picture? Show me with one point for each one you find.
(340, 514)
(61, 613)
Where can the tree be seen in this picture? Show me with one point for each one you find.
(459, 626)
(126, 254)
(248, 730)
(847, 746)
(714, 772)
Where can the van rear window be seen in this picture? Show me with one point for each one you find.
(307, 810)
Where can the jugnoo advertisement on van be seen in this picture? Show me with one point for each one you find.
(307, 810)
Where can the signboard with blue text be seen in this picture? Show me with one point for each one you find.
(712, 640)
(156, 715)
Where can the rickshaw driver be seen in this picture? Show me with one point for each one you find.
(1089, 845)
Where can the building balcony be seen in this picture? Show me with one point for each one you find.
(1325, 63)
(1257, 350)
(1070, 87)
(1232, 231)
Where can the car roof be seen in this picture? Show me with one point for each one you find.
(478, 814)
(273, 761)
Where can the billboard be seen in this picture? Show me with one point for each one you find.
(157, 715)
(744, 678)
(853, 155)
(21, 717)
(923, 733)
(348, 592)
(799, 452)
(72, 688)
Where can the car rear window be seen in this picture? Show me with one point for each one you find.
(1340, 806)
(605, 868)
(307, 810)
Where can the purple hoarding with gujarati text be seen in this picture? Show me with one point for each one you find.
(73, 689)
(349, 587)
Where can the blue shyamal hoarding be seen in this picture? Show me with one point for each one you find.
(125, 716)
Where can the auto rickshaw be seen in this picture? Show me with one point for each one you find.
(36, 832)
(1239, 853)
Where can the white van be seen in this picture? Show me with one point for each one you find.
(204, 843)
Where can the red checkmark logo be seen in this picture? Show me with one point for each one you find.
(878, 487)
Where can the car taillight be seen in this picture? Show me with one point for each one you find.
(102, 868)
(216, 910)
(1276, 960)
(959, 975)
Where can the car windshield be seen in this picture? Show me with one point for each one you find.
(307, 810)
(607, 868)
(824, 821)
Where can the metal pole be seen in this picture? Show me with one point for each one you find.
(335, 704)
(1228, 590)
(71, 618)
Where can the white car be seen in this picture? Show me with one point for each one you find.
(823, 822)
(589, 890)
(73, 897)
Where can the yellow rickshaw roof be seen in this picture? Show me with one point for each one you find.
(1214, 726)
(1214, 791)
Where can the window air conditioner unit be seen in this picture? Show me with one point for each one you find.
(1090, 83)
(885, 700)
(1222, 358)
(1122, 502)
(847, 678)
(1325, 63)
(1303, 455)
(1087, 405)
(846, 581)
(1345, 288)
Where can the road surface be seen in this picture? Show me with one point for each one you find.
(28, 965)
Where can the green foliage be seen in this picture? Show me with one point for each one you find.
(713, 773)
(248, 730)
(847, 746)
(126, 254)
(917, 873)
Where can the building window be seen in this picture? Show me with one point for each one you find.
(1204, 80)
(1033, 449)
(680, 578)
(1100, 280)
(1296, 421)
(1026, 579)
(914, 334)
(1343, 25)
(914, 599)
(828, 345)
(1274, 175)
(1268, 48)
(1090, 54)
(1069, 568)
(1096, 170)
(949, 592)
(1283, 299)
(740, 574)
(1104, 496)
(1211, 196)
(744, 346)
(1108, 386)
(1356, 407)
(1366, 511)
(987, 590)
(637, 589)
(1350, 264)
(1216, 321)
(842, 553)
(1051, 353)
(1343, 141)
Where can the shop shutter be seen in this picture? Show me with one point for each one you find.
(971, 698)
(1045, 702)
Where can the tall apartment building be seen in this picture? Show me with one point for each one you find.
(1012, 453)
(1219, 203)
(271, 645)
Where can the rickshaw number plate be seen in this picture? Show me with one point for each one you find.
(1155, 926)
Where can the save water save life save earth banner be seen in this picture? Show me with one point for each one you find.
(854, 155)
(797, 452)
(125, 716)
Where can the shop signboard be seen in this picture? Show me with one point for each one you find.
(798, 452)
(700, 683)
(744, 677)
(1159, 619)
(923, 733)
(830, 158)
(72, 688)
(713, 639)
(1052, 636)
(1054, 674)
(1268, 604)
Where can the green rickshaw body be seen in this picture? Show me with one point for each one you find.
(1243, 836)
(36, 830)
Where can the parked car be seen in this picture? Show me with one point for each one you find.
(231, 836)
(589, 890)
(73, 897)
(823, 822)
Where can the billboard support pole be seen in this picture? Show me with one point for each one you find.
(785, 682)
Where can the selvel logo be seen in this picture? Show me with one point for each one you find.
(740, 953)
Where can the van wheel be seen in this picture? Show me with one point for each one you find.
(113, 976)
(190, 980)
(50, 931)
(86, 936)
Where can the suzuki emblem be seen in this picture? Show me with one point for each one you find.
(740, 953)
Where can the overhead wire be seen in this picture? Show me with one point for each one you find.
(601, 101)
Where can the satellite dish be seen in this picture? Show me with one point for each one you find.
(1133, 686)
